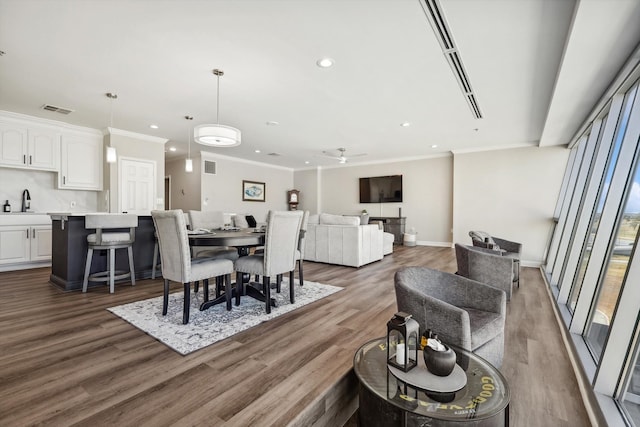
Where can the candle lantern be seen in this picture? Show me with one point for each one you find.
(403, 333)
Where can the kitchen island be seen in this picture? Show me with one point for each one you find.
(69, 251)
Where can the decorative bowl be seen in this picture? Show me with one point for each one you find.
(440, 363)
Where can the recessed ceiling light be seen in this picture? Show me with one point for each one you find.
(271, 123)
(153, 126)
(405, 124)
(306, 162)
(172, 148)
(257, 151)
(434, 146)
(324, 62)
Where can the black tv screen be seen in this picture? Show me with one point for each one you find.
(381, 189)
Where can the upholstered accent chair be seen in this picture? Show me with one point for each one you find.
(279, 256)
(177, 264)
(110, 241)
(461, 311)
(504, 247)
(486, 266)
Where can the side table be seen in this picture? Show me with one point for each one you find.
(387, 401)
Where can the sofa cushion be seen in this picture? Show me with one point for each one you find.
(330, 219)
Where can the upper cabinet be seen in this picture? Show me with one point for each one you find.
(81, 161)
(29, 147)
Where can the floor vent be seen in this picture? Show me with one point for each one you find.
(55, 109)
(438, 22)
(209, 167)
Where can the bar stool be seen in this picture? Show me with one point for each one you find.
(110, 241)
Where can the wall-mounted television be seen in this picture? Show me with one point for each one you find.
(381, 189)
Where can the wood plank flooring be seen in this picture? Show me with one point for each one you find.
(65, 360)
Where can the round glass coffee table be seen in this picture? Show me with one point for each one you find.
(387, 401)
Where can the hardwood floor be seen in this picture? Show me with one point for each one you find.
(65, 360)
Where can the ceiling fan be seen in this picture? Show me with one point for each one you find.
(340, 156)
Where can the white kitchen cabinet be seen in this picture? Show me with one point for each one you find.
(25, 241)
(27, 147)
(81, 161)
(15, 244)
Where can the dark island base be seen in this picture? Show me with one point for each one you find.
(69, 244)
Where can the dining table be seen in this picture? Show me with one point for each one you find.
(243, 240)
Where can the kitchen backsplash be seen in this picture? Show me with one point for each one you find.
(45, 197)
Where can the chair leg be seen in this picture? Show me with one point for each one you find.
(300, 275)
(187, 303)
(278, 283)
(266, 288)
(219, 285)
(155, 261)
(227, 290)
(292, 294)
(238, 287)
(87, 270)
(112, 269)
(205, 289)
(196, 286)
(132, 270)
(165, 300)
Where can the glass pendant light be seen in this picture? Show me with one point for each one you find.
(188, 163)
(111, 151)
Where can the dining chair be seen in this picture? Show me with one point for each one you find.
(279, 257)
(301, 242)
(110, 241)
(177, 264)
(210, 220)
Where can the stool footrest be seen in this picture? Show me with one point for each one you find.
(103, 276)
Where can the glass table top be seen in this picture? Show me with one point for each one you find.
(485, 394)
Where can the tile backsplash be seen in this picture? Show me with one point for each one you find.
(45, 196)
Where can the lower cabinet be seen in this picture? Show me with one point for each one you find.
(21, 244)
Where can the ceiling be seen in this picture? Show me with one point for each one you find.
(537, 67)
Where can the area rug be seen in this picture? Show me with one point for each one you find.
(216, 323)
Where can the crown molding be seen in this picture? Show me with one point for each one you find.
(129, 134)
(496, 148)
(48, 123)
(212, 156)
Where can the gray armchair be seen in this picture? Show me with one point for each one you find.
(486, 266)
(504, 247)
(461, 311)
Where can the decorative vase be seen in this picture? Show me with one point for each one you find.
(440, 363)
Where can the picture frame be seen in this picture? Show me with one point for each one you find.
(253, 191)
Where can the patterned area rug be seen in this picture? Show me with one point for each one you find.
(216, 323)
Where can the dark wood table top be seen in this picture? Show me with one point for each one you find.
(245, 237)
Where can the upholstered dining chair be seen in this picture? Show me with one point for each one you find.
(300, 250)
(279, 257)
(486, 266)
(177, 264)
(110, 241)
(210, 220)
(461, 311)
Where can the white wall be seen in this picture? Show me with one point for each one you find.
(223, 191)
(134, 146)
(427, 191)
(185, 187)
(509, 194)
(307, 182)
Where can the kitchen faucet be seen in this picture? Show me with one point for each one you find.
(26, 201)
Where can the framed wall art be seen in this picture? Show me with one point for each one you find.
(253, 191)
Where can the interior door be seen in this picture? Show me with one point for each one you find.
(137, 179)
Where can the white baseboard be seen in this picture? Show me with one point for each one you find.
(438, 244)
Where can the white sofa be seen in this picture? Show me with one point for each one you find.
(337, 239)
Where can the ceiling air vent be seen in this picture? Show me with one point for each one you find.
(55, 109)
(209, 167)
(274, 154)
(441, 29)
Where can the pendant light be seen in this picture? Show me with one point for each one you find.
(217, 135)
(111, 151)
(188, 163)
